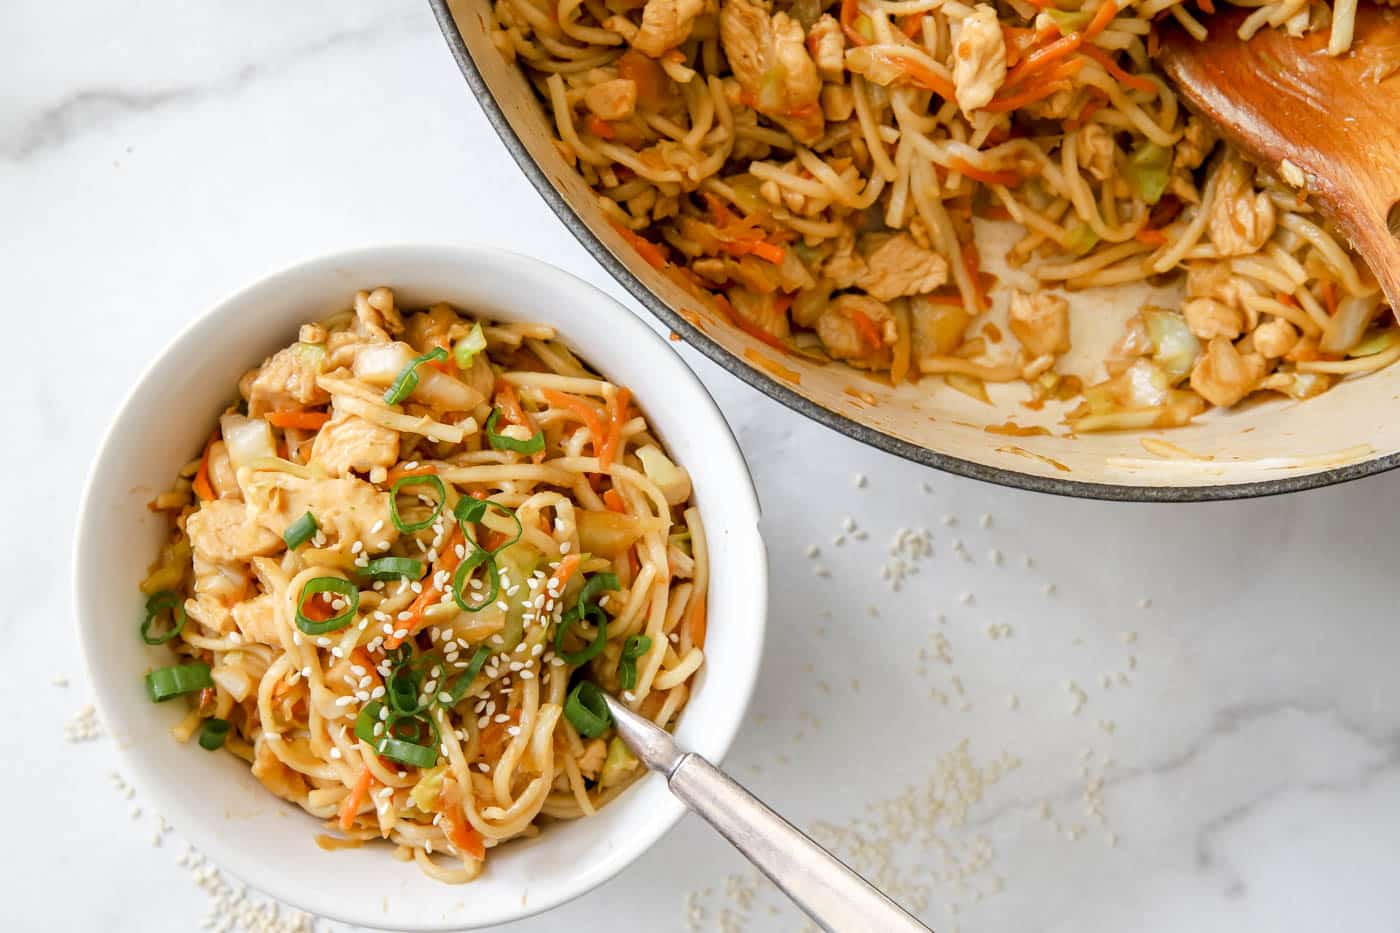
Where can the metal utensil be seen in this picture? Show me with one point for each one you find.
(834, 896)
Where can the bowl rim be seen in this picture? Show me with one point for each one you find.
(799, 403)
(195, 828)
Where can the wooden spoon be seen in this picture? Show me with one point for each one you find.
(1336, 119)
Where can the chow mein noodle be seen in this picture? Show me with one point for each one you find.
(406, 564)
(810, 169)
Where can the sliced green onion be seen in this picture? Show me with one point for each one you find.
(457, 685)
(463, 573)
(469, 511)
(166, 682)
(466, 349)
(587, 710)
(401, 690)
(632, 649)
(407, 380)
(366, 721)
(427, 479)
(391, 568)
(327, 585)
(586, 608)
(158, 603)
(1147, 170)
(408, 753)
(500, 442)
(213, 733)
(300, 531)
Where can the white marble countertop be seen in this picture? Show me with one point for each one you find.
(1236, 760)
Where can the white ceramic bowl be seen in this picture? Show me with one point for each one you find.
(212, 799)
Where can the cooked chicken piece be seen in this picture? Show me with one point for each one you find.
(761, 311)
(979, 58)
(613, 100)
(346, 509)
(350, 443)
(257, 619)
(1216, 280)
(769, 58)
(220, 531)
(431, 328)
(838, 102)
(221, 475)
(591, 761)
(665, 25)
(1241, 219)
(1208, 318)
(376, 315)
(895, 266)
(1097, 151)
(286, 381)
(1223, 375)
(828, 47)
(1041, 322)
(858, 329)
(275, 776)
(1275, 338)
(1196, 142)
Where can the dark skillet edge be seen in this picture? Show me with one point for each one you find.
(840, 423)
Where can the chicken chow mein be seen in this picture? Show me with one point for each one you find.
(407, 564)
(810, 169)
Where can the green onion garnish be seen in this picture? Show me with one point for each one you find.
(408, 753)
(633, 648)
(587, 710)
(407, 380)
(401, 690)
(366, 721)
(213, 733)
(464, 350)
(391, 568)
(166, 682)
(586, 608)
(344, 588)
(500, 442)
(427, 479)
(469, 511)
(158, 603)
(456, 686)
(463, 573)
(300, 531)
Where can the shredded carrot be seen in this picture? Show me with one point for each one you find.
(351, 804)
(454, 816)
(698, 621)
(617, 415)
(865, 327)
(1284, 298)
(1025, 97)
(614, 502)
(1042, 58)
(1136, 82)
(964, 167)
(1096, 102)
(653, 254)
(1329, 297)
(913, 25)
(753, 330)
(586, 412)
(568, 564)
(301, 420)
(1206, 6)
(925, 77)
(1102, 17)
(723, 215)
(448, 561)
(599, 127)
(850, 12)
(202, 487)
(1150, 237)
(398, 473)
(768, 252)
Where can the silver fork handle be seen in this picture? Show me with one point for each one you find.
(838, 899)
